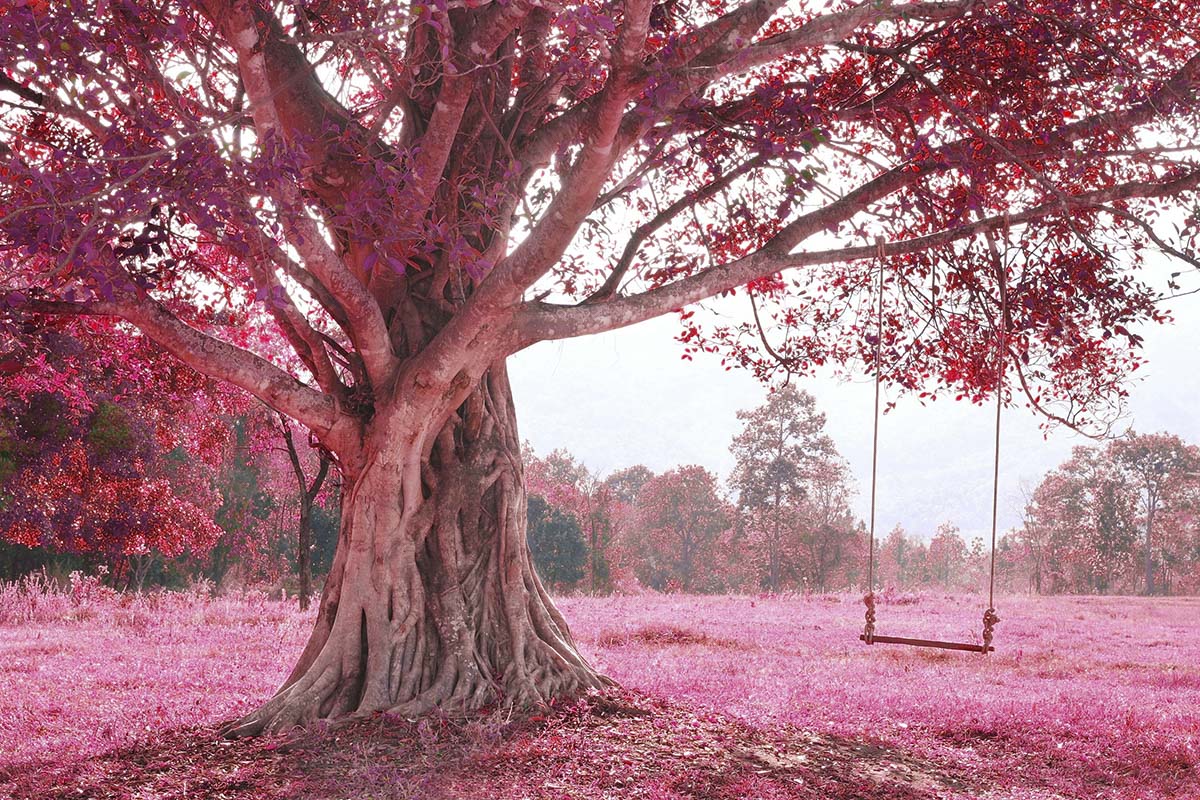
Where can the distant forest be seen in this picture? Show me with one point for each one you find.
(231, 496)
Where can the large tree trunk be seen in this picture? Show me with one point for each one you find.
(432, 600)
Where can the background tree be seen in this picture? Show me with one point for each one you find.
(1178, 534)
(901, 559)
(828, 533)
(623, 488)
(626, 484)
(781, 448)
(244, 552)
(682, 518)
(308, 490)
(571, 487)
(556, 543)
(1154, 462)
(455, 183)
(559, 478)
(107, 391)
(1082, 523)
(946, 558)
(97, 464)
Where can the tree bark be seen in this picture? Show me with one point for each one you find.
(432, 600)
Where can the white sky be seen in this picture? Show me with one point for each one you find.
(626, 397)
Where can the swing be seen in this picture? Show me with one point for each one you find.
(990, 618)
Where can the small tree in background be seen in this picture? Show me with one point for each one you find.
(98, 460)
(683, 518)
(781, 454)
(828, 541)
(1085, 521)
(568, 485)
(245, 551)
(623, 489)
(307, 493)
(900, 560)
(626, 484)
(946, 558)
(556, 543)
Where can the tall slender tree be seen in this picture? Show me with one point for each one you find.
(414, 192)
(307, 492)
(782, 453)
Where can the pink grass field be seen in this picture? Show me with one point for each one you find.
(1085, 698)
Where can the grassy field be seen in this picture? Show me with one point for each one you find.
(119, 697)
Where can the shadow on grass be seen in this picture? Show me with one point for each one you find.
(191, 763)
(619, 745)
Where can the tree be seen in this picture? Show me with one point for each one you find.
(244, 552)
(946, 558)
(1082, 522)
(682, 518)
(621, 490)
(407, 195)
(626, 484)
(70, 503)
(307, 493)
(829, 537)
(1177, 530)
(901, 559)
(89, 464)
(1154, 462)
(782, 455)
(556, 543)
(570, 486)
(559, 478)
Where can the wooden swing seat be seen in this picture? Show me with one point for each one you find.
(970, 648)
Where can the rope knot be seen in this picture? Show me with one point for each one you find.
(990, 619)
(869, 628)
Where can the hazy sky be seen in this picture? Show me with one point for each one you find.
(626, 398)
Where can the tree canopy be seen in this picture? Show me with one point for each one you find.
(362, 160)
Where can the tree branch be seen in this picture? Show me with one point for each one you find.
(218, 359)
(722, 54)
(613, 282)
(367, 329)
(303, 338)
(438, 139)
(501, 291)
(540, 321)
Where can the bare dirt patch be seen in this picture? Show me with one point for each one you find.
(664, 635)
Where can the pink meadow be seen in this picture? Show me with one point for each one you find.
(1084, 698)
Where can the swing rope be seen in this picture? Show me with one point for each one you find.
(990, 617)
(869, 599)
